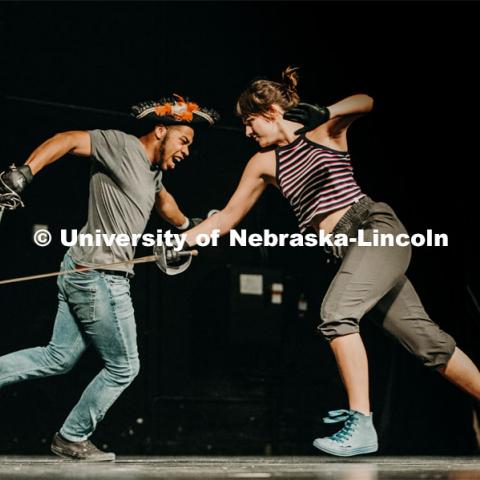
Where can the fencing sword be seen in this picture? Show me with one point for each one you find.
(159, 257)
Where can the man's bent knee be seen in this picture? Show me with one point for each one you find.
(60, 362)
(124, 374)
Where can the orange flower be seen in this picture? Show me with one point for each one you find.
(164, 110)
(186, 112)
(180, 110)
(186, 115)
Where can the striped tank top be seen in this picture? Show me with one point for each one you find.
(315, 179)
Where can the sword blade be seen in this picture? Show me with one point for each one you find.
(148, 258)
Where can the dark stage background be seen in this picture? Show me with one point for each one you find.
(225, 373)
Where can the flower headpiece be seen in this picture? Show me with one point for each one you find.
(174, 111)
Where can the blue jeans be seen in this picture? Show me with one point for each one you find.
(94, 307)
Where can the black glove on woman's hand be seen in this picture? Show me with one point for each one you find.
(311, 116)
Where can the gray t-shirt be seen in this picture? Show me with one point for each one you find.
(122, 194)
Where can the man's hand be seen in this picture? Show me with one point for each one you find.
(311, 116)
(15, 179)
(12, 182)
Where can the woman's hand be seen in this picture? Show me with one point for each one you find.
(310, 116)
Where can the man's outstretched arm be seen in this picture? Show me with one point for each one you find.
(75, 142)
(14, 180)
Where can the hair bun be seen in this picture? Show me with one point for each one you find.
(290, 78)
(262, 94)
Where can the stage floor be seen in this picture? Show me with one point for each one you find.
(318, 467)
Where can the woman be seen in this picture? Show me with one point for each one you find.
(304, 154)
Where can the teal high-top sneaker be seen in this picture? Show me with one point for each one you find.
(358, 435)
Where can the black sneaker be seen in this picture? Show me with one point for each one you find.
(85, 450)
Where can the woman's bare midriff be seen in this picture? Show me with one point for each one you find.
(327, 222)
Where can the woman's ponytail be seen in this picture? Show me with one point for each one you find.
(262, 94)
(290, 82)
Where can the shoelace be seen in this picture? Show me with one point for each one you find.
(347, 416)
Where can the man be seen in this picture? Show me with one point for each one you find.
(95, 306)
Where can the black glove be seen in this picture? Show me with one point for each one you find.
(311, 116)
(12, 182)
(15, 178)
(192, 222)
